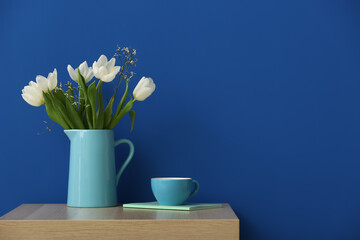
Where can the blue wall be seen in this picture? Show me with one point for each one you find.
(258, 100)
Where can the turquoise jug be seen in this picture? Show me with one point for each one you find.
(92, 175)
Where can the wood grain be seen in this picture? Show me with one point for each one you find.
(56, 221)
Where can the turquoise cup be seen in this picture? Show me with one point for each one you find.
(173, 191)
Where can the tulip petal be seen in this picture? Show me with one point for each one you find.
(35, 92)
(29, 100)
(33, 84)
(139, 85)
(102, 60)
(89, 75)
(95, 65)
(143, 93)
(110, 64)
(52, 80)
(115, 69)
(102, 71)
(72, 73)
(42, 83)
(109, 77)
(83, 68)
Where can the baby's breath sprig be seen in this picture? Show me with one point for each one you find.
(48, 128)
(127, 61)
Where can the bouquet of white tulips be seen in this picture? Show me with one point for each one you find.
(82, 106)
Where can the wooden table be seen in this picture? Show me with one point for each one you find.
(57, 221)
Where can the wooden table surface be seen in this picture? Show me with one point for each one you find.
(57, 221)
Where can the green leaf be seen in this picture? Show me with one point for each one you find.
(61, 102)
(120, 106)
(91, 93)
(74, 115)
(60, 95)
(132, 119)
(123, 99)
(81, 82)
(59, 106)
(84, 120)
(116, 118)
(100, 112)
(108, 112)
(87, 106)
(52, 113)
(81, 102)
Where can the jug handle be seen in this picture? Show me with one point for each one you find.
(127, 161)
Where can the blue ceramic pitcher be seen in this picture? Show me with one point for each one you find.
(92, 175)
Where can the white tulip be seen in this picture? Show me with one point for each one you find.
(144, 89)
(33, 95)
(49, 83)
(105, 70)
(85, 71)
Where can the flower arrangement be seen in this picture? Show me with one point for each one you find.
(82, 106)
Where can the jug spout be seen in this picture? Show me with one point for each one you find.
(70, 133)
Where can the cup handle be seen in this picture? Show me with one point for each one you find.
(127, 161)
(196, 189)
